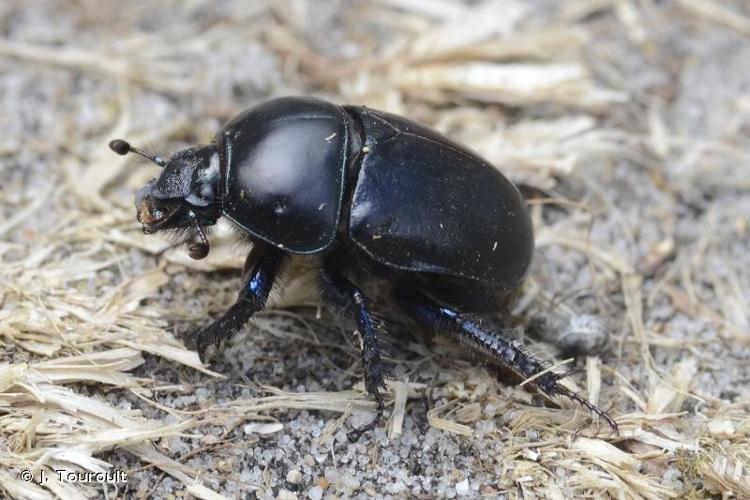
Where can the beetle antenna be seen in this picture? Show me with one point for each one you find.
(123, 147)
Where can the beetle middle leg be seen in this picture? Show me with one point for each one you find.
(499, 349)
(258, 276)
(344, 293)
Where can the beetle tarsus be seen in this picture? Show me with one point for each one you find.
(562, 391)
(499, 349)
(355, 434)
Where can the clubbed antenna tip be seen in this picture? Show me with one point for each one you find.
(119, 146)
(123, 147)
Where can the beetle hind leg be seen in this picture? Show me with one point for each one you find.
(344, 293)
(497, 348)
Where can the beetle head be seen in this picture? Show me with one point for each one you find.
(184, 196)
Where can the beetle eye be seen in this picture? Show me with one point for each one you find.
(201, 196)
(206, 191)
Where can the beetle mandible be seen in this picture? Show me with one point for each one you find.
(370, 195)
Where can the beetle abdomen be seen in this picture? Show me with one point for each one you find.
(285, 163)
(424, 203)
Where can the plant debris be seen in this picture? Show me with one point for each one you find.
(632, 115)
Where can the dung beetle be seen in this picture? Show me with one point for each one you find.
(371, 196)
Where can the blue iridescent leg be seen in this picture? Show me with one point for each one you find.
(257, 280)
(499, 349)
(344, 293)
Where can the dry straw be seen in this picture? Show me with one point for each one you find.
(76, 314)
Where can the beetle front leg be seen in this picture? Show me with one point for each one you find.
(344, 293)
(257, 280)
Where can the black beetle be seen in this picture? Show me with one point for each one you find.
(370, 195)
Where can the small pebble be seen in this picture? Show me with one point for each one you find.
(294, 476)
(462, 487)
(286, 495)
(315, 493)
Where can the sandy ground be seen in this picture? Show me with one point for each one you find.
(634, 115)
